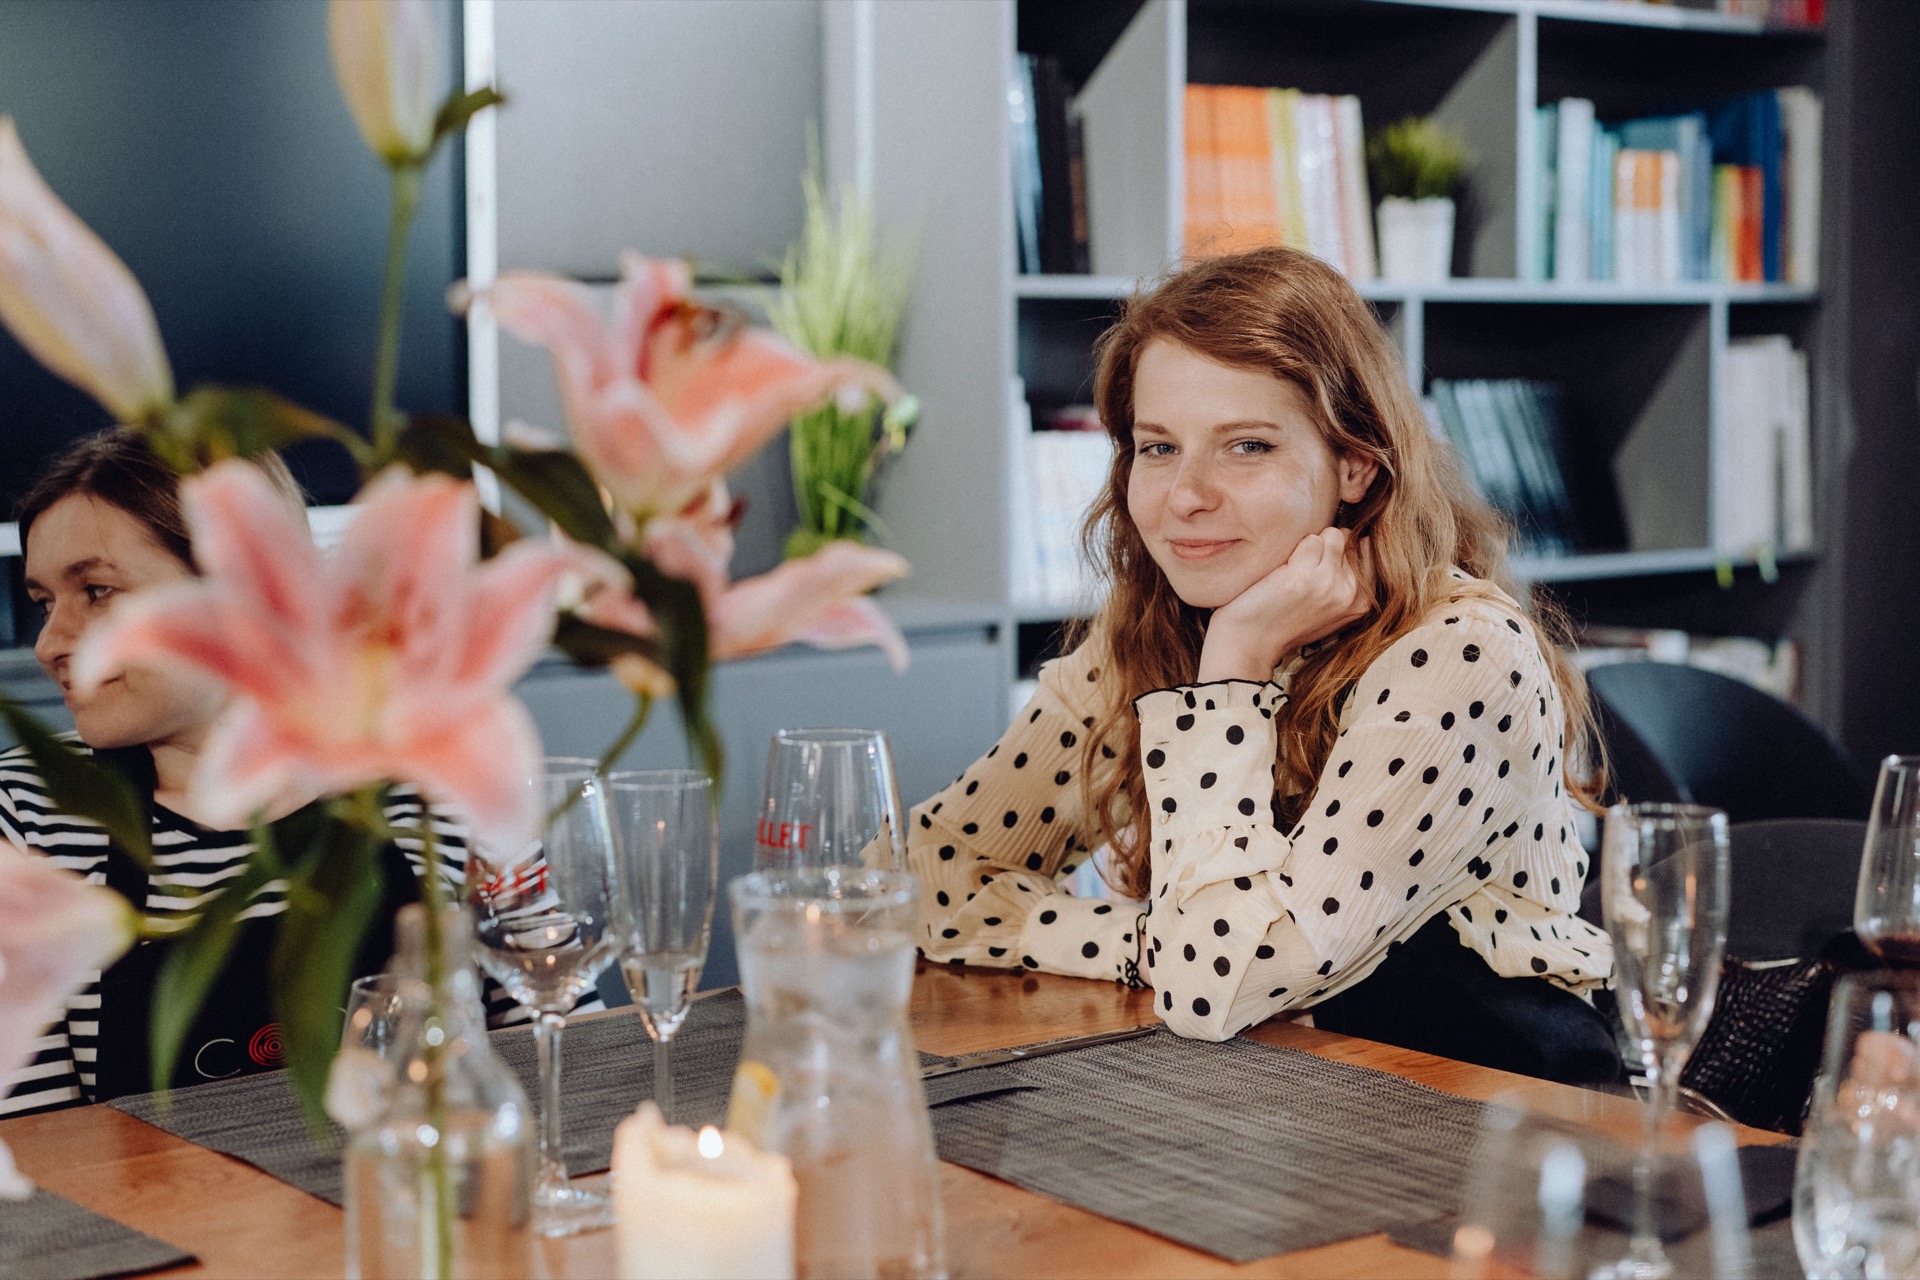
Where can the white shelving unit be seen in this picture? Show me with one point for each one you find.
(1640, 365)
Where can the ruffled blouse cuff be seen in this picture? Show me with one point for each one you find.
(1208, 751)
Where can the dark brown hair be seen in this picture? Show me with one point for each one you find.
(1284, 312)
(117, 467)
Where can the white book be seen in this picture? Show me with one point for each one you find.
(1800, 118)
(1796, 449)
(1573, 163)
(1318, 161)
(1355, 208)
(1023, 535)
(1745, 469)
(1669, 225)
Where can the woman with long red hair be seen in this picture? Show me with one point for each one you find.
(1332, 758)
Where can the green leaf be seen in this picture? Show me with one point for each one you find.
(553, 480)
(437, 442)
(333, 891)
(594, 646)
(461, 107)
(214, 422)
(194, 960)
(80, 785)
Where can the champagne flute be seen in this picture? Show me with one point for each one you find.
(1542, 1199)
(1886, 909)
(831, 800)
(666, 861)
(541, 920)
(1664, 870)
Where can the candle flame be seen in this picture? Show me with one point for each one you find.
(710, 1143)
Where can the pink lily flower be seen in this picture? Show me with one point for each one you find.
(390, 659)
(55, 930)
(387, 57)
(69, 299)
(820, 600)
(670, 394)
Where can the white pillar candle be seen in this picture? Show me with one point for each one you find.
(706, 1206)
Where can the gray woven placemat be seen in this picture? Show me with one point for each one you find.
(1240, 1149)
(606, 1070)
(51, 1238)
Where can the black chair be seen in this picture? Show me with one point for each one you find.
(1792, 886)
(1679, 733)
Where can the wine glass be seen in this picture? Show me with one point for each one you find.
(1886, 909)
(1856, 1194)
(1544, 1199)
(666, 861)
(540, 915)
(1664, 893)
(831, 800)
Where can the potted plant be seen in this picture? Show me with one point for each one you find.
(1416, 165)
(841, 294)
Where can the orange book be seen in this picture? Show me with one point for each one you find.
(1250, 214)
(1203, 173)
(1747, 242)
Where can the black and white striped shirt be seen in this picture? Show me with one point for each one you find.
(191, 863)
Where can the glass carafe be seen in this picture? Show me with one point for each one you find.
(439, 1170)
(827, 958)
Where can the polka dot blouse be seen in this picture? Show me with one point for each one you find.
(1442, 794)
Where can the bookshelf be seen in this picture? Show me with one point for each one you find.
(1640, 365)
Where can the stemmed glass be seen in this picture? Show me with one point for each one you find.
(831, 800)
(1543, 1195)
(540, 915)
(1664, 892)
(1886, 910)
(1856, 1192)
(667, 858)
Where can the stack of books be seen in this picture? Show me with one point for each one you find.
(1277, 166)
(1763, 475)
(1061, 470)
(1772, 666)
(1729, 194)
(1052, 229)
(1510, 435)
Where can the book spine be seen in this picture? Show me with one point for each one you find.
(1284, 135)
(1241, 137)
(1356, 209)
(1572, 169)
(1766, 110)
(1320, 179)
(1026, 166)
(1600, 202)
(1203, 173)
(1056, 188)
(1546, 138)
(1077, 186)
(1671, 233)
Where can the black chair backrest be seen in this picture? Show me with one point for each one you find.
(1792, 886)
(1722, 742)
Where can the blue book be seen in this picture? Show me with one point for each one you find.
(1747, 131)
(1546, 141)
(1606, 148)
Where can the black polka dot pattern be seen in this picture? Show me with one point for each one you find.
(1439, 775)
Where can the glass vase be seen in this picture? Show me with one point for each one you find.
(826, 959)
(440, 1168)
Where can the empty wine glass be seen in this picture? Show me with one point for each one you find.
(667, 858)
(831, 800)
(1886, 909)
(1856, 1203)
(1545, 1199)
(541, 920)
(1664, 891)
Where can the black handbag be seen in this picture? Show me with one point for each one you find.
(1761, 1048)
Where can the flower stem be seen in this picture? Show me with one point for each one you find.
(437, 1262)
(385, 419)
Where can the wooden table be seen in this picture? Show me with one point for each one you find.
(243, 1223)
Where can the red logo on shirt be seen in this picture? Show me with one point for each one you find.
(265, 1047)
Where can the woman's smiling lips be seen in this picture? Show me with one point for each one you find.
(1200, 548)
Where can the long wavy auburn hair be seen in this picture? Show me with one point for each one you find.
(1284, 312)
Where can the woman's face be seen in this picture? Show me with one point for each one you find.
(84, 555)
(1229, 472)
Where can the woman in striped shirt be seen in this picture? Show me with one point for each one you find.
(103, 522)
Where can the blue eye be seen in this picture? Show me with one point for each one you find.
(1152, 449)
(1252, 448)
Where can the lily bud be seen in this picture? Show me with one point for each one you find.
(69, 299)
(387, 56)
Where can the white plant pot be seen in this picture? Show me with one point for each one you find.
(1416, 240)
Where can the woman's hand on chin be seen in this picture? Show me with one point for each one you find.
(1324, 585)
